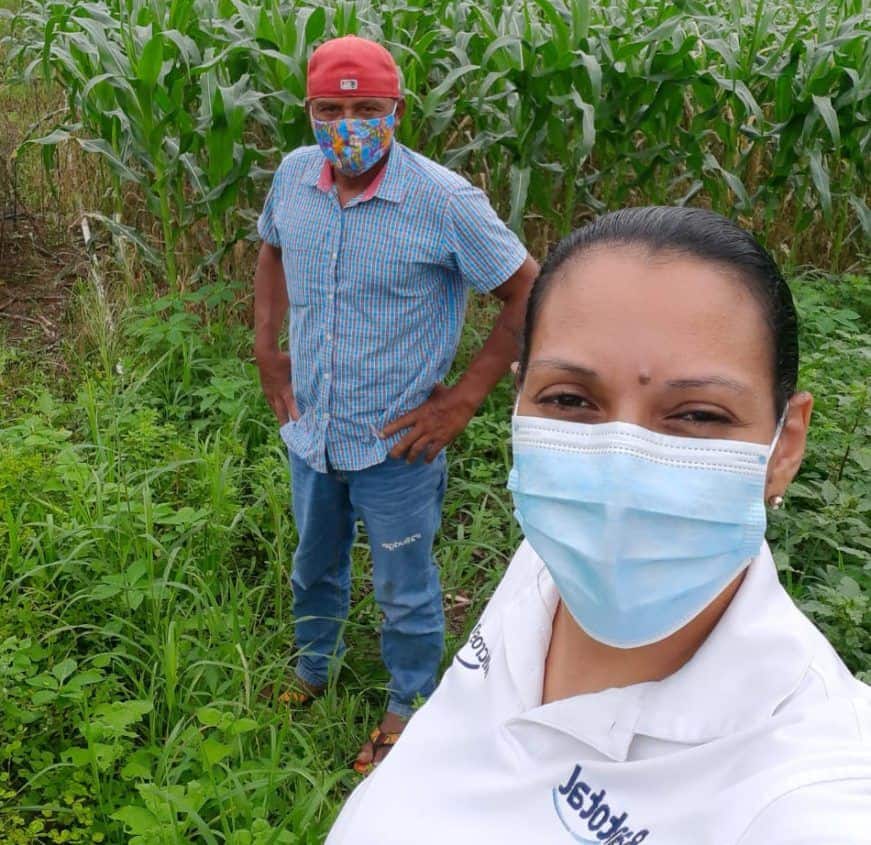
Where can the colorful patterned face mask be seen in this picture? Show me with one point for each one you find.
(355, 145)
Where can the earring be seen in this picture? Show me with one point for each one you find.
(775, 502)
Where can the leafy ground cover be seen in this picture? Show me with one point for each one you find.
(145, 547)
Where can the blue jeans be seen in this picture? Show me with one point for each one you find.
(400, 504)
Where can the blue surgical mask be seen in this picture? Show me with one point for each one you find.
(640, 531)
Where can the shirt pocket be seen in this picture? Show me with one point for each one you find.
(401, 279)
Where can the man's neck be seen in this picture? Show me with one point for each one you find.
(349, 187)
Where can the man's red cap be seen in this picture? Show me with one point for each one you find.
(352, 67)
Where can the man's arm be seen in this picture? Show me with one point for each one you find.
(448, 410)
(270, 308)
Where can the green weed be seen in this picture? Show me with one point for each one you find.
(145, 545)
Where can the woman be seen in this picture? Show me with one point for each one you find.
(639, 674)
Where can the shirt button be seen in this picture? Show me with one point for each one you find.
(330, 296)
(327, 417)
(326, 376)
(329, 337)
(335, 255)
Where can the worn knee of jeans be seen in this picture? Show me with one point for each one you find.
(414, 613)
(337, 576)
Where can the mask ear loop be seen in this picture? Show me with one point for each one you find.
(778, 431)
(776, 502)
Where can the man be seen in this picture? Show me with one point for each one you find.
(374, 248)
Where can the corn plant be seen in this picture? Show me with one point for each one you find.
(162, 112)
(559, 108)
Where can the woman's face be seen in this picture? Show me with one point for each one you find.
(668, 342)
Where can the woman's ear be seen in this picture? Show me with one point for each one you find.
(789, 450)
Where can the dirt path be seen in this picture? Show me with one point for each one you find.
(36, 279)
(39, 258)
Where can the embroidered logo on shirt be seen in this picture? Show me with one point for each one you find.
(575, 801)
(480, 652)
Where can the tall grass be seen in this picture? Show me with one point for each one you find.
(559, 108)
(145, 544)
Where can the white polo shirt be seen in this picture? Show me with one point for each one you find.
(762, 738)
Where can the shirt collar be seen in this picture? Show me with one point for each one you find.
(603, 720)
(387, 185)
(753, 660)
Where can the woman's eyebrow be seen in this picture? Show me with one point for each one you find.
(566, 366)
(707, 381)
(580, 371)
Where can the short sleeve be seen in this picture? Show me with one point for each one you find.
(487, 253)
(834, 813)
(266, 227)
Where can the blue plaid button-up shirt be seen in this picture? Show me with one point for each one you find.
(377, 294)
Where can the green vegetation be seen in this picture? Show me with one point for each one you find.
(145, 548)
(558, 107)
(145, 537)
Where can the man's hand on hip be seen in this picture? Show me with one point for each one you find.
(432, 425)
(275, 380)
(448, 410)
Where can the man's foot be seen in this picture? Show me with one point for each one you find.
(380, 741)
(295, 691)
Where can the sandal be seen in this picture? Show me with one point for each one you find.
(379, 739)
(297, 698)
(297, 695)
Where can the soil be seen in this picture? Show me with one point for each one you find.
(40, 258)
(39, 265)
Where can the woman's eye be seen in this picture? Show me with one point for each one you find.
(702, 416)
(567, 400)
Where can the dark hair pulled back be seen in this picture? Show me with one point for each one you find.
(701, 234)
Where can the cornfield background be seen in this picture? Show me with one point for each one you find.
(558, 108)
(145, 534)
